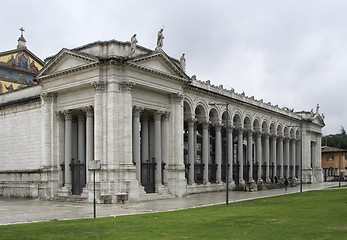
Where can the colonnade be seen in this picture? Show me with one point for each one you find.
(253, 155)
(150, 146)
(78, 147)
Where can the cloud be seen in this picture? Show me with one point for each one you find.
(291, 53)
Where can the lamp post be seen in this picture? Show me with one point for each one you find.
(227, 150)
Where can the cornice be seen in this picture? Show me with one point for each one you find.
(151, 70)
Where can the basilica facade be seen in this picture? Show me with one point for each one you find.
(156, 131)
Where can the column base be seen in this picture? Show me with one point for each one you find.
(242, 182)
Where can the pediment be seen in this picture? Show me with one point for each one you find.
(318, 120)
(159, 62)
(65, 61)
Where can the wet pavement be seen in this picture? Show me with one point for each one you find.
(15, 211)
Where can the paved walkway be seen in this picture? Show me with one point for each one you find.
(14, 211)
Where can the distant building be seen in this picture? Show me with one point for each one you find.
(18, 67)
(333, 159)
(154, 130)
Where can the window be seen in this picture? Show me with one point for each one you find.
(330, 157)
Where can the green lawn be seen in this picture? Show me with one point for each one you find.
(309, 215)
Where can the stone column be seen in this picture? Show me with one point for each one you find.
(293, 157)
(191, 150)
(68, 148)
(286, 155)
(280, 155)
(164, 139)
(89, 138)
(249, 155)
(205, 150)
(267, 157)
(259, 156)
(218, 153)
(298, 155)
(137, 141)
(81, 148)
(240, 155)
(157, 146)
(144, 137)
(273, 154)
(230, 154)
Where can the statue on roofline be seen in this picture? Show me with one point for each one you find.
(160, 39)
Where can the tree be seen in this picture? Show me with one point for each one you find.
(336, 140)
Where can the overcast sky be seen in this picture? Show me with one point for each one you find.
(288, 52)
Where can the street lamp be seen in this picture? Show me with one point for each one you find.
(227, 150)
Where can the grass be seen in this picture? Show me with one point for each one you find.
(309, 215)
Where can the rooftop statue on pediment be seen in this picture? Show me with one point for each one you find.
(160, 39)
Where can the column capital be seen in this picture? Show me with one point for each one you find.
(217, 126)
(145, 115)
(176, 97)
(249, 131)
(239, 129)
(49, 96)
(67, 114)
(166, 116)
(137, 111)
(157, 115)
(60, 115)
(191, 122)
(89, 111)
(99, 86)
(126, 86)
(205, 125)
(81, 116)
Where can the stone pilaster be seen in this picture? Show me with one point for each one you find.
(177, 182)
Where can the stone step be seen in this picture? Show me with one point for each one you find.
(154, 196)
(71, 198)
